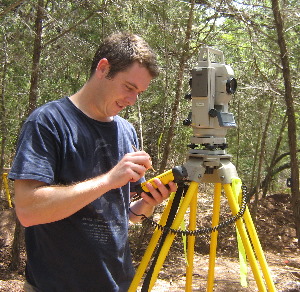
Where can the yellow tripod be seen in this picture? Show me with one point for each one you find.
(226, 173)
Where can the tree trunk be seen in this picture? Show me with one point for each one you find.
(178, 95)
(16, 245)
(140, 120)
(261, 157)
(33, 92)
(33, 95)
(252, 181)
(270, 169)
(3, 126)
(284, 55)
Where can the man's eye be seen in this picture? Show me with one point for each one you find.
(129, 88)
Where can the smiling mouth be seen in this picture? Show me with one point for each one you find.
(120, 105)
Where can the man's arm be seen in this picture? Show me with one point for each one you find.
(38, 203)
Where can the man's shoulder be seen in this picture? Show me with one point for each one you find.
(50, 110)
(122, 121)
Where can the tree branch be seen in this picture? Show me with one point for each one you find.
(68, 30)
(11, 7)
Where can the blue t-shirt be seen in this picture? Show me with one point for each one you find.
(89, 250)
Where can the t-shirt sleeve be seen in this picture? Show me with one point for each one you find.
(36, 154)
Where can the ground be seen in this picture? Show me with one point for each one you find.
(274, 226)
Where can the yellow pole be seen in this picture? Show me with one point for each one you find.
(151, 247)
(191, 245)
(214, 238)
(258, 250)
(246, 242)
(5, 182)
(192, 190)
(236, 185)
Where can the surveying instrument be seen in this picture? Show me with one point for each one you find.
(212, 85)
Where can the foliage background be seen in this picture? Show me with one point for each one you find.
(46, 49)
(243, 30)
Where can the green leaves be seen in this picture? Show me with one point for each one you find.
(72, 31)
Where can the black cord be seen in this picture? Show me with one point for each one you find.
(203, 230)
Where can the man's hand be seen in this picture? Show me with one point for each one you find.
(147, 203)
(131, 168)
(160, 194)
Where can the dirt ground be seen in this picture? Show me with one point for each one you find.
(274, 226)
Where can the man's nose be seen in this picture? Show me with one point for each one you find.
(131, 99)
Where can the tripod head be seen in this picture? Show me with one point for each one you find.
(212, 85)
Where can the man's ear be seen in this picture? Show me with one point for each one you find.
(102, 68)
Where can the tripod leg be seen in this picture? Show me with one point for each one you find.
(191, 245)
(151, 247)
(258, 250)
(245, 239)
(192, 191)
(214, 238)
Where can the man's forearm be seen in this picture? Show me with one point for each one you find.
(37, 203)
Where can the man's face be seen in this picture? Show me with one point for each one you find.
(122, 90)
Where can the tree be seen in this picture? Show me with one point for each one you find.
(289, 100)
(33, 96)
(37, 49)
(3, 116)
(178, 95)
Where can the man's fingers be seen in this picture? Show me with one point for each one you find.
(141, 158)
(136, 172)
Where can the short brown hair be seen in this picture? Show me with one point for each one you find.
(122, 50)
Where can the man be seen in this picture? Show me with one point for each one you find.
(74, 170)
